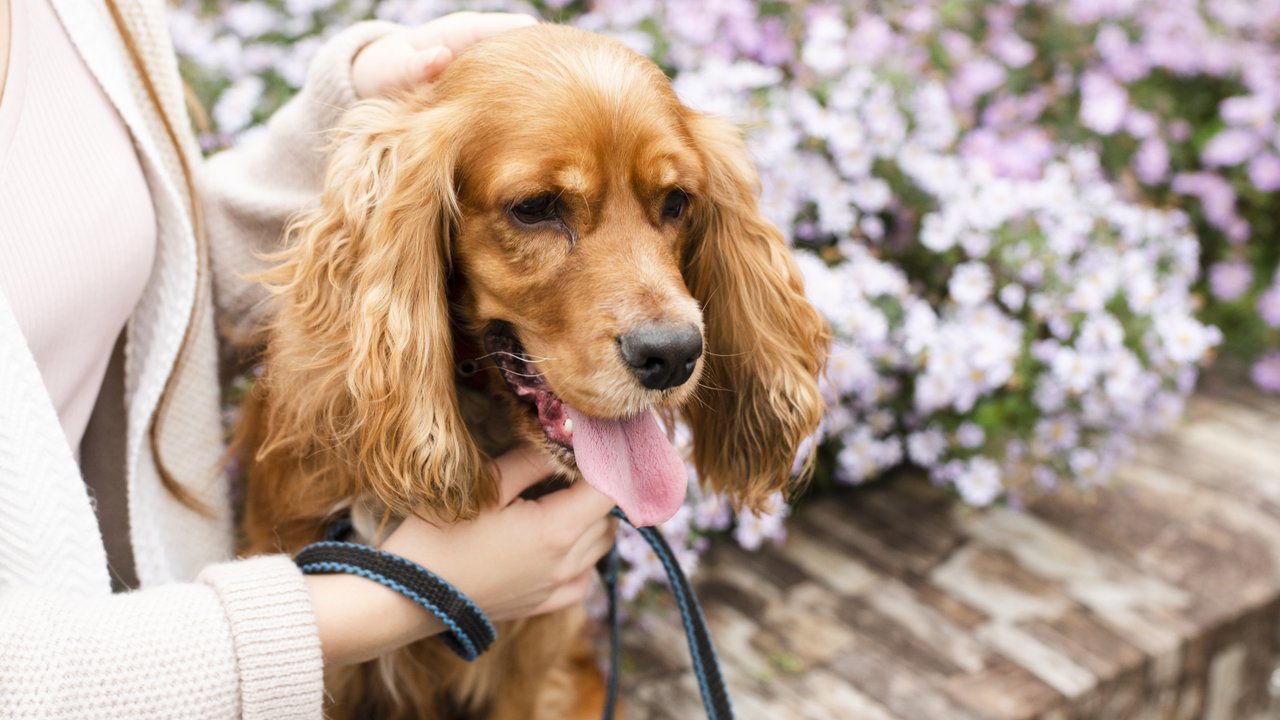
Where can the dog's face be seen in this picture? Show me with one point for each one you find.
(574, 235)
(610, 259)
(576, 189)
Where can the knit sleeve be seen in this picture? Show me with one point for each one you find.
(249, 192)
(240, 642)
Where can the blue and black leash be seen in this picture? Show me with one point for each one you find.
(469, 632)
(706, 666)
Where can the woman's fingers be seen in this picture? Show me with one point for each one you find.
(413, 56)
(567, 594)
(431, 63)
(577, 504)
(459, 30)
(384, 66)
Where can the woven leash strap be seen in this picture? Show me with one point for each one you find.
(468, 630)
(706, 667)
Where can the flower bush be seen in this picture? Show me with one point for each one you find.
(974, 195)
(1180, 98)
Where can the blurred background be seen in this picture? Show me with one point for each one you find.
(1033, 226)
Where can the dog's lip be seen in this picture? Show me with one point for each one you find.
(527, 384)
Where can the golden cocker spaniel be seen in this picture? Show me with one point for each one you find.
(550, 219)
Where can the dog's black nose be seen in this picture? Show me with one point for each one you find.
(662, 356)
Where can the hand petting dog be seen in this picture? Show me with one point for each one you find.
(413, 56)
(521, 558)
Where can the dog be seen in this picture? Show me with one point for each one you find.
(551, 219)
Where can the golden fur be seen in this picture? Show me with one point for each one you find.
(413, 252)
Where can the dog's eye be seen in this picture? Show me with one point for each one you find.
(534, 210)
(675, 203)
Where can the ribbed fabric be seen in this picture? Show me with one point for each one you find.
(157, 654)
(268, 609)
(76, 224)
(239, 641)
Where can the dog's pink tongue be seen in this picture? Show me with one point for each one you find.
(632, 462)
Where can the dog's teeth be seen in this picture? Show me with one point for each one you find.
(568, 425)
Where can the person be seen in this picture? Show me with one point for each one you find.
(110, 439)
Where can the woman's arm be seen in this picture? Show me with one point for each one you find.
(250, 192)
(238, 643)
(250, 638)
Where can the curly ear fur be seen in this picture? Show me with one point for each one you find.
(360, 364)
(766, 344)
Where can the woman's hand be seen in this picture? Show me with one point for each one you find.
(411, 56)
(525, 557)
(521, 558)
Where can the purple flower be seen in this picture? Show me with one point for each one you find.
(957, 44)
(1264, 172)
(1121, 58)
(871, 40)
(1252, 111)
(1266, 372)
(250, 19)
(1269, 306)
(970, 435)
(1012, 50)
(1021, 154)
(1089, 11)
(1238, 230)
(919, 18)
(1171, 33)
(1151, 162)
(1141, 124)
(1215, 193)
(1229, 280)
(1230, 147)
(975, 79)
(1103, 102)
(776, 47)
(1044, 477)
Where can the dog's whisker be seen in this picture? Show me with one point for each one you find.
(523, 375)
(711, 295)
(704, 384)
(701, 401)
(522, 358)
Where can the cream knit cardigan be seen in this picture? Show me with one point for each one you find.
(205, 636)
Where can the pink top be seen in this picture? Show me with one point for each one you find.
(77, 228)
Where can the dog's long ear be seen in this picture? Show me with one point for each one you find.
(360, 362)
(765, 343)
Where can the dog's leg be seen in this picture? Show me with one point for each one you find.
(535, 678)
(586, 682)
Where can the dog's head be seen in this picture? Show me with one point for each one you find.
(603, 245)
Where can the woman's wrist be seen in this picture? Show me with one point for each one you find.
(358, 620)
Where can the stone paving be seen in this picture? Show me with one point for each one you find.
(1157, 598)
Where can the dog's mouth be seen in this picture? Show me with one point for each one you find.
(528, 385)
(629, 459)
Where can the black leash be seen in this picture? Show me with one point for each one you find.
(706, 667)
(469, 632)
